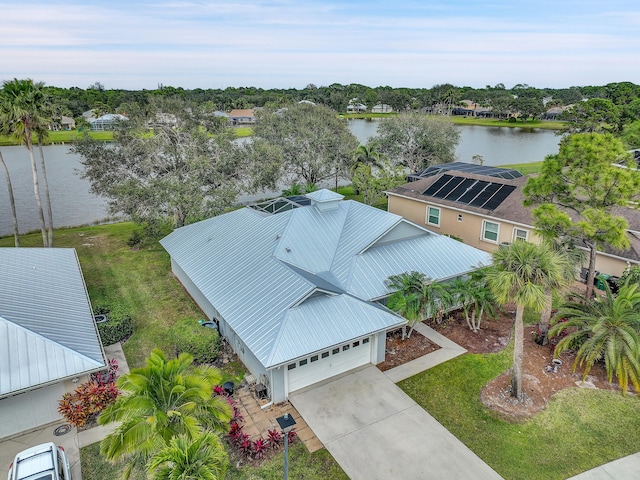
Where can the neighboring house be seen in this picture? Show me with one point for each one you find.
(106, 121)
(63, 123)
(242, 117)
(355, 106)
(48, 337)
(297, 294)
(381, 108)
(486, 211)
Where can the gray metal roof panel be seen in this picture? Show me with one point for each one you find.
(28, 360)
(327, 320)
(42, 289)
(437, 256)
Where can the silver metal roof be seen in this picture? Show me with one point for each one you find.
(271, 277)
(47, 330)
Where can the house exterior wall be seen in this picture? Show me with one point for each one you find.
(209, 310)
(378, 348)
(278, 391)
(470, 227)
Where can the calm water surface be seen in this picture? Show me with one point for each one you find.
(73, 204)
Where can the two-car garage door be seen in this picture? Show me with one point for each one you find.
(30, 410)
(328, 363)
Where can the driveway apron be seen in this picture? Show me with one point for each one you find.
(376, 431)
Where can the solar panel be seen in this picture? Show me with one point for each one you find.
(435, 188)
(461, 189)
(499, 197)
(487, 192)
(475, 193)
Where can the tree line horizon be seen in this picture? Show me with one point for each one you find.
(74, 101)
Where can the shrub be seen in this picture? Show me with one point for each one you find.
(87, 401)
(202, 343)
(118, 326)
(135, 240)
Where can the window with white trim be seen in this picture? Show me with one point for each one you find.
(490, 231)
(433, 216)
(520, 234)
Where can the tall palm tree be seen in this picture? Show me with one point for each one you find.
(41, 130)
(186, 458)
(605, 329)
(164, 399)
(12, 201)
(524, 273)
(19, 115)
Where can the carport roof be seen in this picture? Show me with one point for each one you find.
(47, 330)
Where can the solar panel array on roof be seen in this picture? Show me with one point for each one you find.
(476, 193)
(486, 170)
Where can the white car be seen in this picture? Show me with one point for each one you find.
(42, 462)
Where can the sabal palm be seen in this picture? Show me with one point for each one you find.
(19, 116)
(164, 399)
(186, 458)
(524, 273)
(605, 329)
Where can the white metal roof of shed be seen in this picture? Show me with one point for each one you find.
(296, 282)
(47, 331)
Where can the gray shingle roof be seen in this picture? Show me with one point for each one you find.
(264, 273)
(47, 331)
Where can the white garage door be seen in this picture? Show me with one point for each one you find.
(29, 410)
(328, 363)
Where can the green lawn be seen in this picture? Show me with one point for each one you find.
(492, 122)
(579, 430)
(525, 168)
(63, 136)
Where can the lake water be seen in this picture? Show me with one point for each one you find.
(497, 145)
(74, 205)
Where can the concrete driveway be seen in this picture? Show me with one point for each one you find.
(375, 431)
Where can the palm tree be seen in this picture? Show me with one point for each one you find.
(19, 105)
(406, 299)
(12, 201)
(367, 155)
(186, 458)
(42, 135)
(604, 329)
(164, 399)
(524, 273)
(571, 258)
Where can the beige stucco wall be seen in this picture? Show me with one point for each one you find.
(469, 228)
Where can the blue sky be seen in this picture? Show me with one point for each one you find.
(289, 44)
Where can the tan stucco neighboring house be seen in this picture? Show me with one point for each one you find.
(487, 211)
